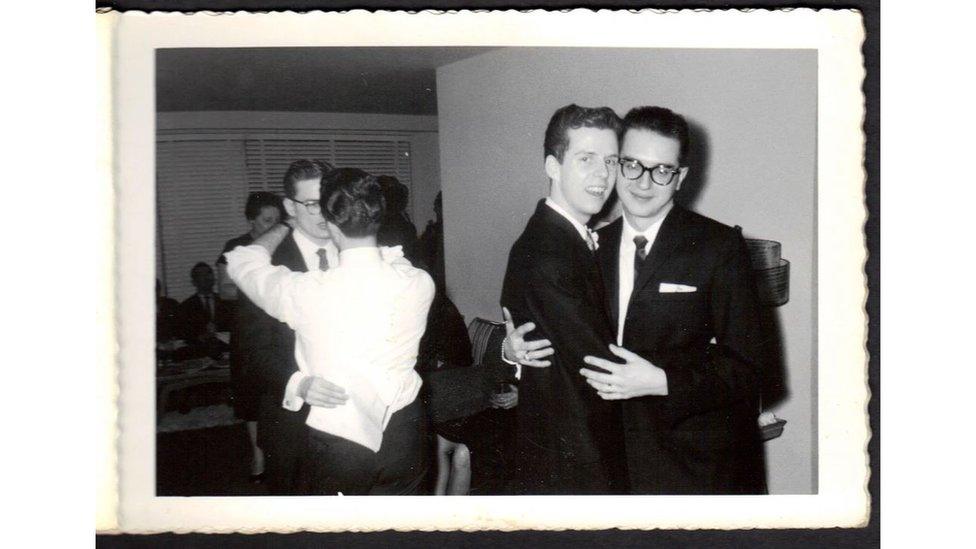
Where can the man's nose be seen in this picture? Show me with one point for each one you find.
(644, 181)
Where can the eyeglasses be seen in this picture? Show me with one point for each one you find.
(661, 174)
(311, 206)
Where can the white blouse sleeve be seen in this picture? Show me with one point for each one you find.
(273, 288)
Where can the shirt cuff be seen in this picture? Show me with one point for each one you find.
(518, 367)
(292, 401)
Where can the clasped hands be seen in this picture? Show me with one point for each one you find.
(635, 377)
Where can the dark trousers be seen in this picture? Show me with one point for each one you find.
(333, 464)
(281, 434)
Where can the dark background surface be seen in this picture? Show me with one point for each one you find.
(848, 537)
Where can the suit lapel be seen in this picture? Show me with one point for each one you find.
(562, 225)
(289, 255)
(667, 240)
(609, 258)
(568, 233)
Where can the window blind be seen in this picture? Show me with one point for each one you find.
(268, 158)
(200, 206)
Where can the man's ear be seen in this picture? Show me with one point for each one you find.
(552, 167)
(682, 173)
(289, 207)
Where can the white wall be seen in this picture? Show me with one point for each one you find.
(757, 110)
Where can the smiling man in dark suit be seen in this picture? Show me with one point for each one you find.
(681, 295)
(268, 346)
(567, 437)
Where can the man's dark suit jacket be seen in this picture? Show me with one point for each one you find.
(702, 438)
(167, 319)
(194, 316)
(267, 348)
(568, 438)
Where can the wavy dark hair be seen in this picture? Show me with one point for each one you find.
(300, 170)
(662, 122)
(353, 201)
(572, 117)
(395, 193)
(259, 200)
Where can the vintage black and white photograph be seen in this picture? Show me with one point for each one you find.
(490, 270)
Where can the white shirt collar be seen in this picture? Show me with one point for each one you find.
(580, 228)
(629, 232)
(310, 249)
(625, 276)
(363, 255)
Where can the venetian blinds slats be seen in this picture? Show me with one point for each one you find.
(268, 158)
(200, 203)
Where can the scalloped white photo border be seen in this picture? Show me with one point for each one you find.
(126, 500)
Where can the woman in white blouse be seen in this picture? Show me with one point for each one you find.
(358, 325)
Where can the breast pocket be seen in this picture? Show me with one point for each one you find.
(675, 296)
(673, 312)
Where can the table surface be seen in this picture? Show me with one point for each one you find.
(169, 371)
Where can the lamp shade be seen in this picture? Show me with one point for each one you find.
(772, 272)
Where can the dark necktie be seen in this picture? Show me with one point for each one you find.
(323, 261)
(207, 305)
(640, 254)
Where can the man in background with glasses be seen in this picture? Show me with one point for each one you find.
(268, 346)
(680, 294)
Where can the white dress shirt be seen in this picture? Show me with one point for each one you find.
(310, 255)
(357, 325)
(625, 279)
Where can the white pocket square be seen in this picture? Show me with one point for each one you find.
(671, 288)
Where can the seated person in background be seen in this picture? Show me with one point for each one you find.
(396, 229)
(263, 210)
(167, 310)
(202, 315)
(359, 325)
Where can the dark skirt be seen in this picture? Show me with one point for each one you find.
(245, 386)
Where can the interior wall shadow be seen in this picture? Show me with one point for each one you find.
(774, 382)
(773, 388)
(698, 160)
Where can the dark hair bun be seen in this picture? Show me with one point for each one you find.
(353, 201)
